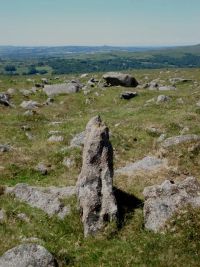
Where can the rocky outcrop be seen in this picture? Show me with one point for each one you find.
(117, 78)
(27, 255)
(64, 88)
(95, 186)
(163, 201)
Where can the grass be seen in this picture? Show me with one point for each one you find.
(131, 244)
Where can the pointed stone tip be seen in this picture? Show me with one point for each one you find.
(94, 121)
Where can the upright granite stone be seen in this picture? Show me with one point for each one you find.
(95, 182)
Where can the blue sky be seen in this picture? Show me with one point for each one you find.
(99, 22)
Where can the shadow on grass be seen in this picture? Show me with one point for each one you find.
(126, 203)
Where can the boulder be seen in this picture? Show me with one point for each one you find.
(163, 201)
(5, 148)
(95, 182)
(162, 99)
(29, 104)
(64, 88)
(117, 78)
(78, 140)
(179, 139)
(47, 199)
(147, 164)
(4, 99)
(128, 95)
(27, 255)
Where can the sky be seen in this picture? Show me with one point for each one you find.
(99, 22)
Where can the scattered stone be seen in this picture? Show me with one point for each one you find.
(180, 101)
(4, 99)
(149, 163)
(166, 88)
(154, 131)
(42, 168)
(27, 255)
(46, 199)
(29, 135)
(2, 215)
(163, 201)
(44, 80)
(25, 128)
(23, 217)
(161, 138)
(39, 85)
(5, 148)
(162, 99)
(67, 162)
(84, 75)
(29, 104)
(179, 80)
(29, 113)
(25, 92)
(55, 139)
(95, 186)
(65, 88)
(184, 130)
(198, 104)
(153, 85)
(11, 91)
(175, 140)
(128, 95)
(78, 140)
(49, 101)
(117, 78)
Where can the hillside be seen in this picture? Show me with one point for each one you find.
(138, 127)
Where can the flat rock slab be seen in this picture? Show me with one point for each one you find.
(162, 201)
(64, 88)
(149, 163)
(47, 199)
(179, 139)
(27, 255)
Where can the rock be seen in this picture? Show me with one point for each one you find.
(65, 88)
(67, 162)
(29, 104)
(153, 85)
(29, 135)
(128, 95)
(55, 139)
(42, 168)
(198, 104)
(180, 101)
(162, 99)
(78, 140)
(2, 215)
(25, 92)
(46, 199)
(163, 201)
(44, 80)
(27, 255)
(11, 91)
(4, 99)
(25, 127)
(161, 138)
(117, 78)
(179, 80)
(166, 88)
(154, 131)
(5, 148)
(149, 163)
(29, 113)
(95, 186)
(84, 75)
(184, 130)
(23, 217)
(175, 140)
(49, 101)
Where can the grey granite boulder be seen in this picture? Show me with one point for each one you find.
(117, 78)
(149, 163)
(64, 88)
(163, 201)
(95, 186)
(27, 255)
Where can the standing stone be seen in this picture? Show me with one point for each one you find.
(95, 182)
